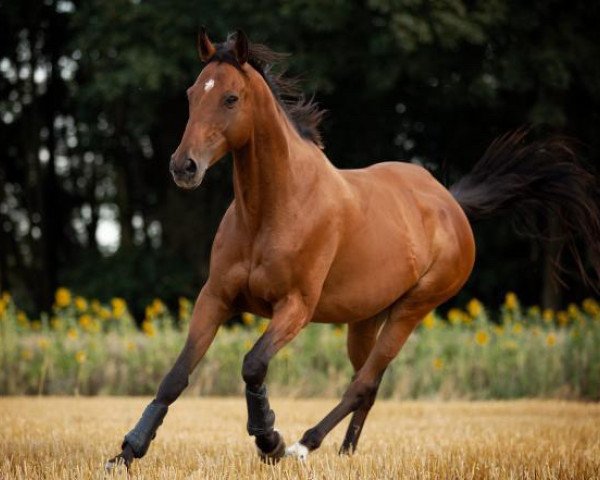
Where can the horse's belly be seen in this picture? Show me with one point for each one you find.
(367, 280)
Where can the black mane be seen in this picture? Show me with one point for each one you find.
(304, 113)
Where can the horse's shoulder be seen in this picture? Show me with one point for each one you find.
(227, 252)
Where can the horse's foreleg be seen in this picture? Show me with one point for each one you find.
(288, 319)
(209, 313)
(363, 388)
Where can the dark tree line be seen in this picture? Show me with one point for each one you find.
(92, 103)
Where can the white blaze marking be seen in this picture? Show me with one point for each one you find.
(297, 450)
(209, 85)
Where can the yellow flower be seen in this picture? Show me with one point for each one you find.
(511, 302)
(2, 307)
(262, 326)
(158, 306)
(338, 330)
(591, 307)
(96, 307)
(184, 302)
(6, 298)
(56, 323)
(429, 321)
(534, 311)
(36, 325)
(72, 334)
(573, 311)
(185, 307)
(119, 307)
(510, 345)
(456, 316)
(499, 330)
(104, 313)
(247, 344)
(131, 346)
(248, 319)
(548, 315)
(437, 363)
(80, 357)
(26, 354)
(563, 318)
(474, 307)
(148, 328)
(517, 328)
(551, 339)
(482, 338)
(62, 298)
(22, 319)
(81, 304)
(94, 326)
(85, 321)
(43, 343)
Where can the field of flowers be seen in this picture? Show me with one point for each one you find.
(85, 347)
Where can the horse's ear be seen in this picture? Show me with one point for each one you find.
(205, 48)
(241, 47)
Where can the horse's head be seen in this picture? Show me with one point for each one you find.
(219, 109)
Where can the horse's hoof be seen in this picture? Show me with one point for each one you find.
(297, 450)
(346, 451)
(116, 464)
(272, 457)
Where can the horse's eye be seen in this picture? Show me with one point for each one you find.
(230, 100)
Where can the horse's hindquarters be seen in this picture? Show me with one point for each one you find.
(402, 223)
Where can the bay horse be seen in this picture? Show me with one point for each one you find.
(375, 248)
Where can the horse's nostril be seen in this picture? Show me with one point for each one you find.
(190, 166)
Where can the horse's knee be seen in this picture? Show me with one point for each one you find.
(254, 370)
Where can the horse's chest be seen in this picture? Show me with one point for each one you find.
(268, 280)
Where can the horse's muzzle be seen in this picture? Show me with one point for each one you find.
(187, 174)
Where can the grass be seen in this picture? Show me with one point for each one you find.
(59, 438)
(91, 349)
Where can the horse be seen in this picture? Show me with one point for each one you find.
(302, 241)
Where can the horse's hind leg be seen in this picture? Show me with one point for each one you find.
(361, 338)
(404, 316)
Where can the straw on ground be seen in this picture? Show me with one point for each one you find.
(205, 438)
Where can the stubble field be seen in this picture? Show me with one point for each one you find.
(205, 439)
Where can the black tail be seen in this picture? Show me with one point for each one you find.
(533, 178)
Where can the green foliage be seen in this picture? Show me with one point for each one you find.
(91, 349)
(139, 275)
(427, 81)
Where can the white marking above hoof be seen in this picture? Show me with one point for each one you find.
(297, 450)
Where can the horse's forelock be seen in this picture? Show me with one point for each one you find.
(304, 113)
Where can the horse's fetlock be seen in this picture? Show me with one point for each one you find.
(312, 438)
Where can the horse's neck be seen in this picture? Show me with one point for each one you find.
(275, 170)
